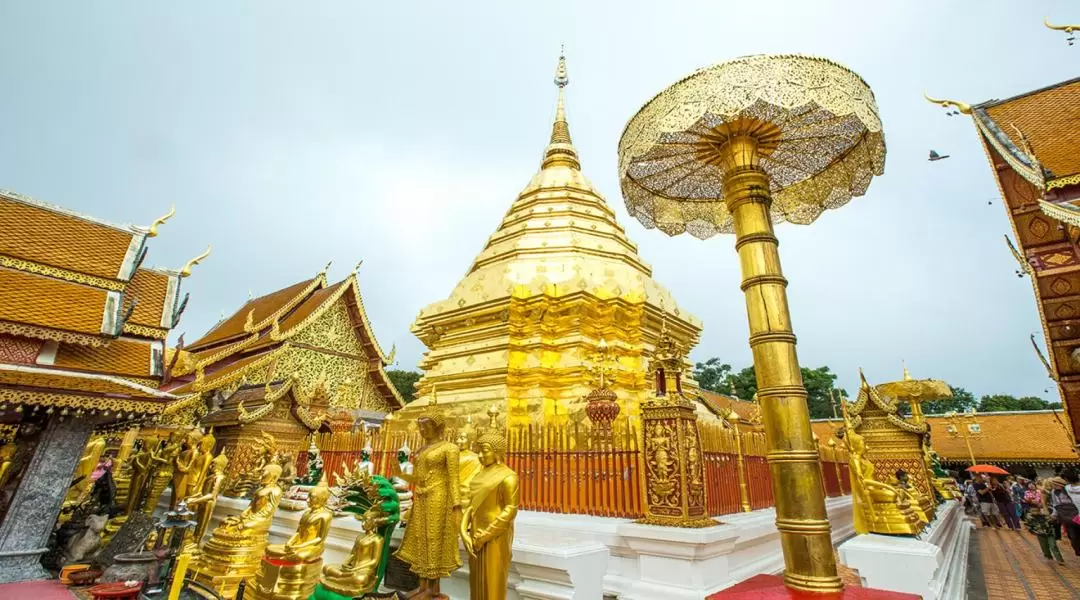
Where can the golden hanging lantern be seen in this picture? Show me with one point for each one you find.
(735, 148)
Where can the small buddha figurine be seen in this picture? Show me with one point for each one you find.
(185, 471)
(365, 465)
(205, 502)
(469, 465)
(236, 546)
(291, 570)
(487, 525)
(358, 575)
(430, 545)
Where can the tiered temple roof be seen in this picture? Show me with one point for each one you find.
(305, 345)
(82, 321)
(1030, 141)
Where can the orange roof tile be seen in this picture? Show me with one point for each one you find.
(46, 302)
(1050, 119)
(150, 288)
(123, 356)
(263, 307)
(1030, 436)
(720, 402)
(85, 383)
(305, 310)
(50, 236)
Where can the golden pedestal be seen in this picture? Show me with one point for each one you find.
(279, 580)
(225, 562)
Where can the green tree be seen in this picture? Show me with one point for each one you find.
(405, 382)
(744, 383)
(817, 381)
(1004, 402)
(961, 401)
(713, 375)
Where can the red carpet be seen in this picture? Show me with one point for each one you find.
(35, 590)
(771, 587)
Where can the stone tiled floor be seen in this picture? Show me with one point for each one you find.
(1013, 568)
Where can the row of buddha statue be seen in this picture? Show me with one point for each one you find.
(458, 494)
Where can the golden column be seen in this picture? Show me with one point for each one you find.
(734, 148)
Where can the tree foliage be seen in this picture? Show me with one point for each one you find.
(719, 377)
(1004, 402)
(961, 401)
(405, 382)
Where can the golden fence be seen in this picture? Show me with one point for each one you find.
(575, 469)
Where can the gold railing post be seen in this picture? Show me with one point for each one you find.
(740, 463)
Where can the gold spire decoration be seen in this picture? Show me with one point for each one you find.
(1068, 29)
(963, 107)
(560, 150)
(186, 270)
(152, 231)
(907, 374)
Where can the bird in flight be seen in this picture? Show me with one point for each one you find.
(935, 156)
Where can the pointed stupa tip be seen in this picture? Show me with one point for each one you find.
(907, 374)
(560, 150)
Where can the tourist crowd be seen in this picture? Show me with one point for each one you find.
(1046, 506)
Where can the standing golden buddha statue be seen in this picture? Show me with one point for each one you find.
(430, 546)
(142, 463)
(468, 464)
(205, 502)
(235, 547)
(185, 471)
(291, 570)
(487, 526)
(162, 470)
(201, 466)
(81, 480)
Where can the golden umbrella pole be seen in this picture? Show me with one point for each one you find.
(734, 148)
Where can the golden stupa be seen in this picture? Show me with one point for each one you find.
(557, 277)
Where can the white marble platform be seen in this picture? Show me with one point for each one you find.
(934, 565)
(576, 557)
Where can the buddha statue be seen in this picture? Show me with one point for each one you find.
(142, 464)
(236, 546)
(205, 502)
(879, 507)
(358, 575)
(487, 525)
(203, 459)
(185, 472)
(7, 459)
(81, 480)
(365, 465)
(247, 479)
(405, 469)
(430, 545)
(923, 507)
(944, 485)
(291, 570)
(469, 464)
(161, 474)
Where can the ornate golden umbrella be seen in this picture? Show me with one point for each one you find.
(736, 147)
(915, 392)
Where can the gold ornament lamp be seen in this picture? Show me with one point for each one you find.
(735, 148)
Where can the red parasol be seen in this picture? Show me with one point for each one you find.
(991, 469)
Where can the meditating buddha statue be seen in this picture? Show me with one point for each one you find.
(235, 547)
(359, 573)
(430, 546)
(879, 507)
(487, 525)
(205, 502)
(185, 471)
(291, 570)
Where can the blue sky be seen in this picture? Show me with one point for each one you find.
(289, 134)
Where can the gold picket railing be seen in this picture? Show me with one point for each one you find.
(576, 469)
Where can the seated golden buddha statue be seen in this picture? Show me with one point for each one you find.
(358, 574)
(879, 507)
(290, 571)
(923, 506)
(235, 547)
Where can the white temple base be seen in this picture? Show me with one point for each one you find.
(576, 557)
(934, 565)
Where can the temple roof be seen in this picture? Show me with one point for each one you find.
(55, 304)
(558, 237)
(1049, 119)
(263, 311)
(1036, 437)
(124, 356)
(88, 391)
(53, 237)
(155, 294)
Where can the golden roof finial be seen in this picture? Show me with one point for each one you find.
(186, 270)
(152, 232)
(960, 106)
(560, 150)
(356, 269)
(907, 375)
(1065, 28)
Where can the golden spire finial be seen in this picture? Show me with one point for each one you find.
(152, 232)
(1065, 28)
(186, 270)
(907, 375)
(560, 150)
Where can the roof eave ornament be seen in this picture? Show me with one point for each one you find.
(961, 107)
(186, 270)
(152, 230)
(1068, 29)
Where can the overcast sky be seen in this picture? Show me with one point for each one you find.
(293, 133)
